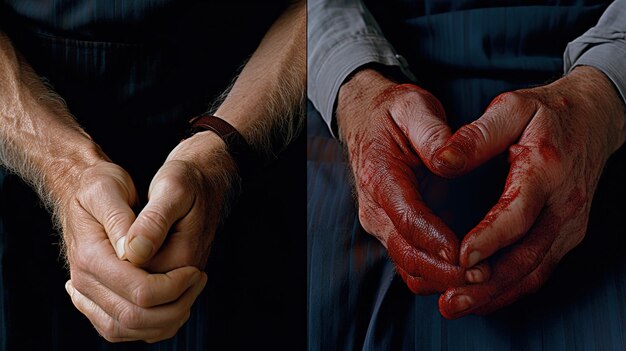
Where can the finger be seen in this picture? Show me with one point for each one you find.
(130, 282)
(104, 324)
(531, 283)
(528, 285)
(513, 215)
(512, 268)
(110, 204)
(472, 145)
(478, 274)
(417, 285)
(418, 263)
(132, 316)
(170, 199)
(129, 322)
(423, 122)
(397, 194)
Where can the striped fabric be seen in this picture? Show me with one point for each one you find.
(466, 54)
(133, 91)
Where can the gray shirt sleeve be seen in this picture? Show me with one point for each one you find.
(342, 36)
(603, 47)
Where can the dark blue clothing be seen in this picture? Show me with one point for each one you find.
(465, 53)
(133, 73)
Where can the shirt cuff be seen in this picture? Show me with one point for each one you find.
(339, 63)
(604, 52)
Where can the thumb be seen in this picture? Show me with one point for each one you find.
(169, 200)
(474, 144)
(423, 122)
(109, 201)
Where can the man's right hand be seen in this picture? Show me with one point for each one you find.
(122, 301)
(392, 131)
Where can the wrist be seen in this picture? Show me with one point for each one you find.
(208, 153)
(355, 95)
(601, 96)
(62, 174)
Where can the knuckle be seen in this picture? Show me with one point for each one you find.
(476, 132)
(528, 258)
(131, 318)
(174, 185)
(110, 331)
(80, 283)
(512, 97)
(407, 260)
(84, 259)
(154, 219)
(364, 218)
(143, 295)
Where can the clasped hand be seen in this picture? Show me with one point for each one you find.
(136, 278)
(558, 138)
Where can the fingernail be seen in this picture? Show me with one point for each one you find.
(69, 288)
(120, 248)
(444, 255)
(451, 159)
(473, 258)
(140, 246)
(460, 303)
(474, 276)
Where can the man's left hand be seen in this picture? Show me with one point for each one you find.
(186, 199)
(559, 137)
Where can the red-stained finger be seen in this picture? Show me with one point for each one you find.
(417, 285)
(418, 263)
(472, 145)
(397, 194)
(511, 269)
(513, 215)
(528, 285)
(170, 200)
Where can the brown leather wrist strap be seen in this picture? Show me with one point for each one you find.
(236, 144)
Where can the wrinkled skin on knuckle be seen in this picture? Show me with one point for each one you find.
(130, 317)
(154, 219)
(81, 282)
(369, 217)
(110, 331)
(143, 295)
(83, 259)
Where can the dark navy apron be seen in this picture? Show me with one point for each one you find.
(465, 53)
(133, 73)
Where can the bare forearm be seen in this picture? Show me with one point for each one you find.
(266, 103)
(39, 139)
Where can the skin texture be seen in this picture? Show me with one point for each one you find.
(558, 137)
(556, 152)
(391, 132)
(122, 301)
(187, 196)
(148, 294)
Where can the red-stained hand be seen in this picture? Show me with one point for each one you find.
(559, 137)
(391, 132)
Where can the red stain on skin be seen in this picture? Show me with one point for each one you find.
(503, 204)
(497, 100)
(548, 151)
(462, 143)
